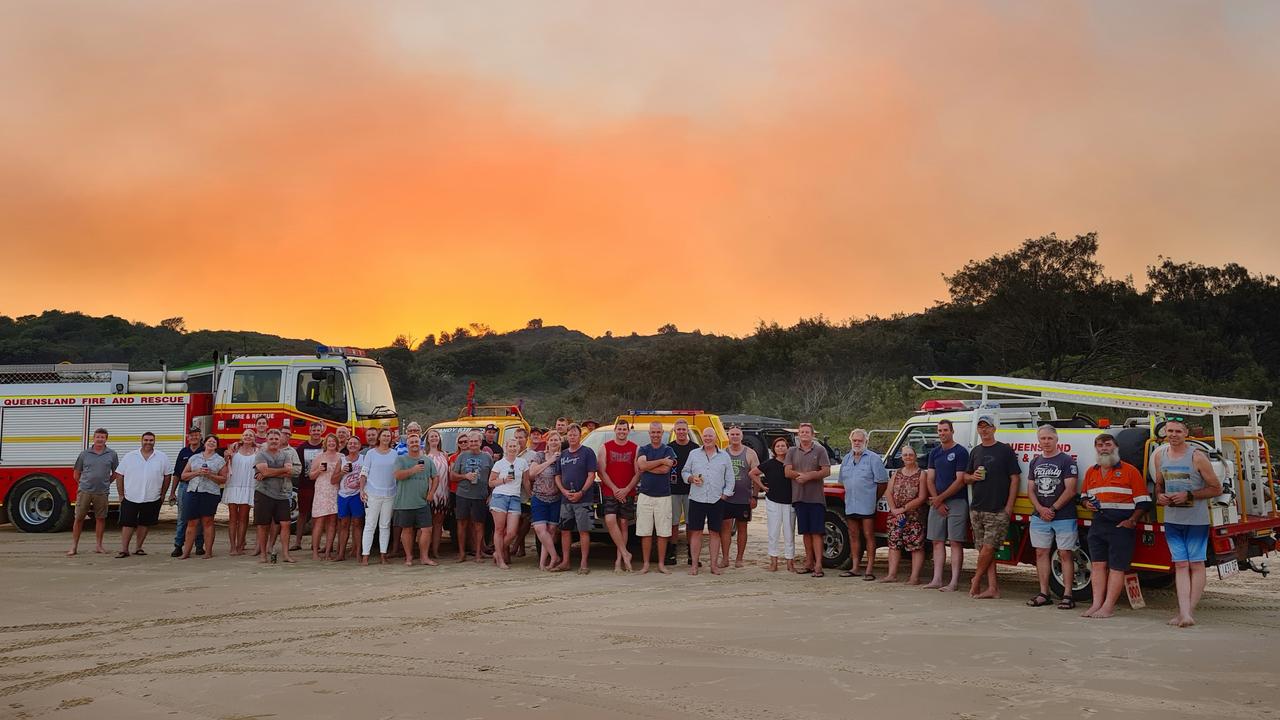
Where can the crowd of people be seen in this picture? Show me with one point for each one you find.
(353, 490)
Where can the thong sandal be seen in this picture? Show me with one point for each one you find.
(868, 576)
(122, 555)
(1039, 600)
(139, 551)
(818, 573)
(848, 573)
(1067, 603)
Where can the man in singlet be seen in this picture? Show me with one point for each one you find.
(1184, 483)
(616, 460)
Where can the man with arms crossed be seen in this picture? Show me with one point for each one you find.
(653, 505)
(808, 466)
(271, 495)
(994, 474)
(92, 472)
(948, 505)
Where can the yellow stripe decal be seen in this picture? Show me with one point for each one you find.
(44, 439)
(1153, 567)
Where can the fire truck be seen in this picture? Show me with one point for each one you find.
(1244, 518)
(48, 414)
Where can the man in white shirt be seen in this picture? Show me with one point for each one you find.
(142, 479)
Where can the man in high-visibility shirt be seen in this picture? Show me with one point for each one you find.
(1117, 494)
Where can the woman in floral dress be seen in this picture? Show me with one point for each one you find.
(905, 496)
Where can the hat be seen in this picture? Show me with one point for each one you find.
(491, 426)
(193, 429)
(989, 419)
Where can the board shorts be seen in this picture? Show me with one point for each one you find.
(1187, 543)
(1043, 533)
(145, 514)
(704, 516)
(509, 504)
(416, 518)
(736, 511)
(810, 518)
(91, 502)
(679, 508)
(575, 516)
(989, 528)
(475, 510)
(545, 512)
(1111, 544)
(653, 516)
(625, 509)
(268, 510)
(350, 506)
(954, 526)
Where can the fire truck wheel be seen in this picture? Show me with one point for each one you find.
(1155, 580)
(1081, 585)
(835, 544)
(39, 504)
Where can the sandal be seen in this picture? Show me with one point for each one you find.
(1067, 603)
(819, 573)
(122, 555)
(1039, 600)
(139, 551)
(804, 571)
(868, 576)
(848, 573)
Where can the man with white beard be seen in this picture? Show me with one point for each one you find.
(1117, 494)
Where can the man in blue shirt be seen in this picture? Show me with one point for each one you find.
(948, 505)
(653, 505)
(864, 478)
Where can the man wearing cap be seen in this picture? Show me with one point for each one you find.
(490, 444)
(1117, 494)
(993, 476)
(179, 493)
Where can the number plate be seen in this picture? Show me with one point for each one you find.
(1228, 568)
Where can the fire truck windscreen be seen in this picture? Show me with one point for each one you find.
(371, 391)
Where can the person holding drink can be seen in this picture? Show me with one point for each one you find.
(350, 506)
(711, 479)
(993, 477)
(325, 472)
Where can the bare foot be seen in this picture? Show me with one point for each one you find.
(263, 560)
(737, 563)
(184, 556)
(716, 570)
(933, 585)
(663, 569)
(644, 569)
(430, 562)
(791, 566)
(988, 594)
(888, 579)
(973, 588)
(71, 552)
(1187, 621)
(480, 559)
(504, 566)
(207, 555)
(916, 581)
(773, 564)
(100, 550)
(408, 562)
(1103, 613)
(626, 560)
(289, 559)
(948, 588)
(364, 560)
(1173, 621)
(693, 569)
(461, 558)
(563, 567)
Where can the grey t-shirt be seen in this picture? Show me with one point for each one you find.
(479, 463)
(1048, 481)
(95, 469)
(278, 487)
(214, 464)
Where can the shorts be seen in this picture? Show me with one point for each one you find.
(989, 528)
(810, 518)
(626, 509)
(735, 511)
(509, 504)
(91, 502)
(417, 518)
(575, 516)
(202, 505)
(268, 510)
(1043, 533)
(350, 506)
(526, 509)
(653, 515)
(1187, 543)
(954, 527)
(1111, 544)
(144, 514)
(546, 512)
(704, 516)
(679, 508)
(306, 497)
(859, 516)
(471, 509)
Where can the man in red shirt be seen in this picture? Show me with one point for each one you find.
(617, 462)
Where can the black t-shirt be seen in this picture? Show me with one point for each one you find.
(776, 482)
(184, 455)
(494, 449)
(992, 493)
(679, 486)
(306, 453)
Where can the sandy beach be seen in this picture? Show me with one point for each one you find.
(144, 637)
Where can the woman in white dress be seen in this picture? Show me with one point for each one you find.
(238, 492)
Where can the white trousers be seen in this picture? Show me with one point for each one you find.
(782, 527)
(379, 510)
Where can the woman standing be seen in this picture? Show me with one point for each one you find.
(239, 488)
(546, 500)
(770, 476)
(326, 471)
(906, 495)
(350, 506)
(439, 501)
(378, 491)
(506, 478)
(205, 474)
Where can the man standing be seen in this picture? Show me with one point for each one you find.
(617, 463)
(179, 494)
(993, 475)
(948, 505)
(490, 444)
(370, 438)
(416, 481)
(536, 443)
(472, 468)
(1054, 478)
(653, 505)
(711, 480)
(93, 472)
(307, 451)
(142, 479)
(682, 445)
(260, 428)
(1185, 481)
(864, 478)
(562, 426)
(344, 434)
(271, 493)
(808, 465)
(1117, 494)
(738, 506)
(575, 477)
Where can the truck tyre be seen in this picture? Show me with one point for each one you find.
(1082, 581)
(835, 543)
(1155, 580)
(38, 503)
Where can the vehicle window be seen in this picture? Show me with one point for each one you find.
(449, 438)
(597, 439)
(922, 438)
(322, 393)
(256, 386)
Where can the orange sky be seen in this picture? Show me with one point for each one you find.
(353, 171)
